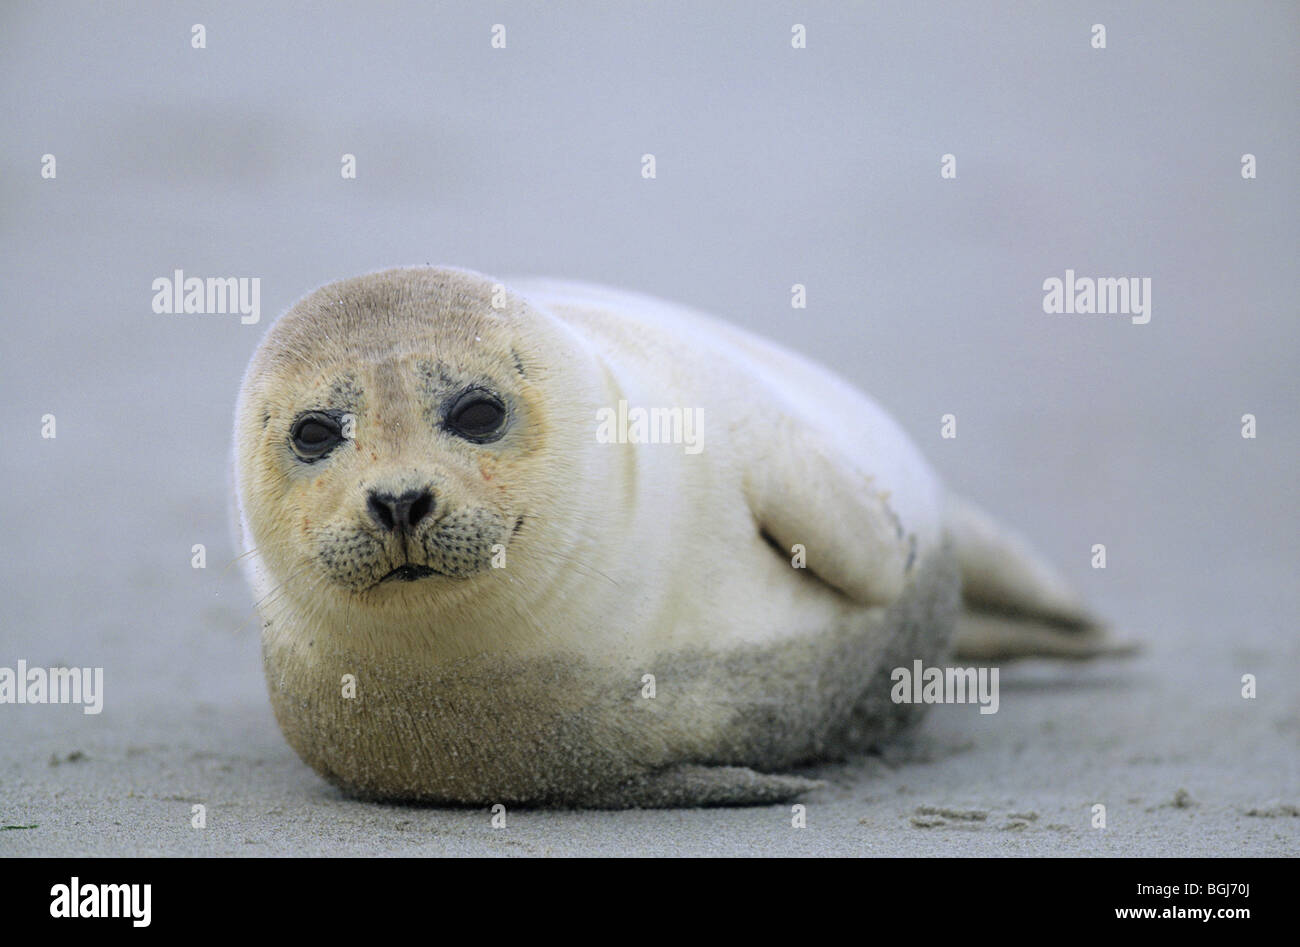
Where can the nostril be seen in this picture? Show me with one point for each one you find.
(419, 508)
(381, 508)
(402, 513)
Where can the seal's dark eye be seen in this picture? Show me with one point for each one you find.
(314, 435)
(477, 415)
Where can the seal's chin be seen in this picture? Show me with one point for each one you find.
(408, 573)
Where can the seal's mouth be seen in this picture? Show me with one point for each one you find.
(408, 573)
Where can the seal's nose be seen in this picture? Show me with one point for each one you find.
(400, 514)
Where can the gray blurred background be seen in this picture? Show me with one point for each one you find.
(775, 166)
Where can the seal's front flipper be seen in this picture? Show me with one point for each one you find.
(803, 492)
(1017, 605)
(692, 786)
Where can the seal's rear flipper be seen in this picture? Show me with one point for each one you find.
(690, 785)
(1017, 606)
(984, 636)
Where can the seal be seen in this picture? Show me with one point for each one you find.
(561, 545)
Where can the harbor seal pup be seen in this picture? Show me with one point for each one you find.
(480, 581)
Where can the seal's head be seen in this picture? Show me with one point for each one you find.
(397, 432)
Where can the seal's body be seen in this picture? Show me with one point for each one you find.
(560, 545)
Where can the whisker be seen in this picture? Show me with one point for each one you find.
(580, 566)
(242, 555)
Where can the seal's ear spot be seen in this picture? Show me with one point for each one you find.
(266, 418)
(519, 364)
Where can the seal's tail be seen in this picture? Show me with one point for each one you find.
(1016, 604)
